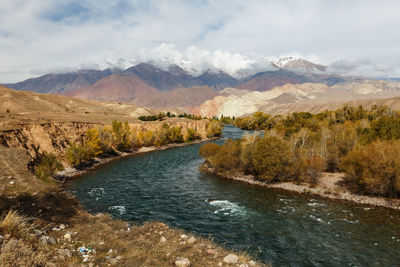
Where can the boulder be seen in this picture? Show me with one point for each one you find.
(231, 259)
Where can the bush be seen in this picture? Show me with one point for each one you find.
(121, 134)
(214, 129)
(208, 150)
(77, 154)
(375, 168)
(272, 159)
(93, 145)
(47, 167)
(192, 135)
(146, 138)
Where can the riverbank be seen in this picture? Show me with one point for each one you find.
(330, 185)
(70, 173)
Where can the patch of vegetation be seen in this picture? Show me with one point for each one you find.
(300, 146)
(48, 166)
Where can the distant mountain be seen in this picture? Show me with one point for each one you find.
(297, 64)
(61, 83)
(264, 81)
(219, 80)
(178, 98)
(123, 87)
(164, 80)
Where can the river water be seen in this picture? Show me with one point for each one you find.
(278, 227)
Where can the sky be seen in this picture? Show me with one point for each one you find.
(52, 36)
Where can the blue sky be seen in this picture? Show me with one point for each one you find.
(351, 37)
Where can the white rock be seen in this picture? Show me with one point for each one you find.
(244, 265)
(191, 240)
(184, 236)
(231, 259)
(12, 182)
(62, 226)
(67, 236)
(252, 263)
(182, 262)
(163, 239)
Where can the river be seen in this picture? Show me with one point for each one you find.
(278, 227)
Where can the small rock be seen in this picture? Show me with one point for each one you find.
(191, 240)
(55, 229)
(113, 261)
(67, 236)
(50, 264)
(91, 264)
(219, 263)
(44, 239)
(64, 252)
(11, 182)
(163, 239)
(62, 226)
(182, 262)
(244, 265)
(231, 259)
(252, 263)
(52, 241)
(118, 257)
(184, 236)
(85, 256)
(211, 251)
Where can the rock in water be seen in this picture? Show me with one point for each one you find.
(231, 259)
(182, 262)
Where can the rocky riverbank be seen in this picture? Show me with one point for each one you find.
(330, 185)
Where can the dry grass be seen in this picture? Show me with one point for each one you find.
(14, 224)
(16, 252)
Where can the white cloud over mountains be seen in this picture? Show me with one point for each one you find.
(351, 37)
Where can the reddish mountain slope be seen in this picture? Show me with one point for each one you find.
(182, 97)
(116, 87)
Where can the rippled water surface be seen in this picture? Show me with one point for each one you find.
(283, 228)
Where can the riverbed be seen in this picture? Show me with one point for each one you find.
(283, 228)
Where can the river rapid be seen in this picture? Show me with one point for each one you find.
(275, 226)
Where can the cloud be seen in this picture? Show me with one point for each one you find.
(229, 34)
(361, 67)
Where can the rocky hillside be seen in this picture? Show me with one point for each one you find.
(290, 97)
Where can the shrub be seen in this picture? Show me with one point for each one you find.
(93, 143)
(312, 169)
(214, 128)
(77, 155)
(8, 111)
(47, 167)
(208, 150)
(272, 159)
(106, 140)
(192, 135)
(121, 134)
(146, 138)
(375, 168)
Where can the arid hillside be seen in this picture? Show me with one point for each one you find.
(17, 106)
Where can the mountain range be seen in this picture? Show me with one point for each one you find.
(293, 81)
